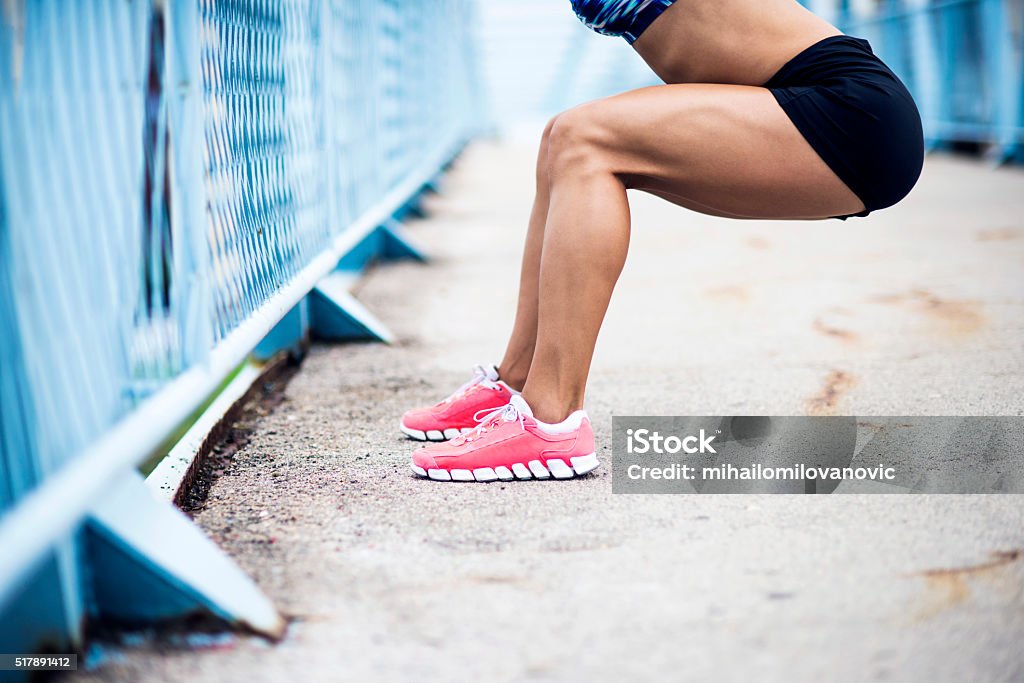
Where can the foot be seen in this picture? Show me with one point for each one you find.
(458, 413)
(511, 444)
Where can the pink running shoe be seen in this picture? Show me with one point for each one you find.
(458, 413)
(510, 443)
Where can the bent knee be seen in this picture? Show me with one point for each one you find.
(546, 135)
(578, 140)
(542, 153)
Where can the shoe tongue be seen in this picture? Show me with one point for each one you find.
(520, 405)
(490, 372)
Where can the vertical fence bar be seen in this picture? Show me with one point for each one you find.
(1003, 73)
(924, 57)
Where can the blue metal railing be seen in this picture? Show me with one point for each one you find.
(175, 181)
(963, 61)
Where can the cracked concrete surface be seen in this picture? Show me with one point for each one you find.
(918, 310)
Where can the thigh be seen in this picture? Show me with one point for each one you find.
(720, 149)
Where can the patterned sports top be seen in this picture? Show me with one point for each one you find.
(626, 18)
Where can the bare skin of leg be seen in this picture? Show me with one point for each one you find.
(721, 149)
(515, 365)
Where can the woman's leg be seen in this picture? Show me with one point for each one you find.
(722, 149)
(515, 365)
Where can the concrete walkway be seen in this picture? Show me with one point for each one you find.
(916, 310)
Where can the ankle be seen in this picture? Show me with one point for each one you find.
(549, 408)
(513, 375)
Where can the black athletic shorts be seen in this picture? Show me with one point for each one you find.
(858, 117)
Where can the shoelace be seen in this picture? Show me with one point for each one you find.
(479, 376)
(506, 413)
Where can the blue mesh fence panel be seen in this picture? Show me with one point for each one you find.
(167, 168)
(266, 207)
(173, 177)
(72, 109)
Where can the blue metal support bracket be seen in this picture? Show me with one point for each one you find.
(387, 242)
(41, 615)
(149, 562)
(290, 334)
(337, 315)
(330, 311)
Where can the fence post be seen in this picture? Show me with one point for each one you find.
(1003, 77)
(925, 60)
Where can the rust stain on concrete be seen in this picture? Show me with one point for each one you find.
(882, 426)
(734, 293)
(759, 243)
(952, 585)
(999, 558)
(821, 327)
(999, 234)
(955, 316)
(836, 384)
(958, 316)
(888, 299)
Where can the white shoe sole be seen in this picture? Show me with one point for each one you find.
(433, 434)
(535, 469)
